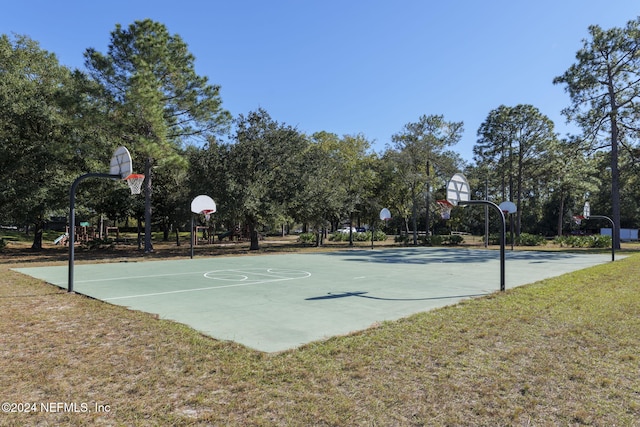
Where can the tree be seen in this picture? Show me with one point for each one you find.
(422, 147)
(159, 101)
(568, 177)
(512, 143)
(604, 86)
(47, 135)
(396, 196)
(322, 198)
(173, 202)
(355, 175)
(265, 163)
(209, 171)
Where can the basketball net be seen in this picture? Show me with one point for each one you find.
(445, 208)
(207, 214)
(578, 219)
(134, 181)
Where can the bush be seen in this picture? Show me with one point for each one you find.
(526, 239)
(307, 238)
(600, 241)
(595, 241)
(455, 239)
(339, 237)
(433, 240)
(570, 241)
(359, 236)
(494, 239)
(404, 239)
(379, 236)
(3, 244)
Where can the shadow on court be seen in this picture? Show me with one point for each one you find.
(278, 302)
(447, 255)
(333, 295)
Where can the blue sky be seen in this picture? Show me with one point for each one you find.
(351, 67)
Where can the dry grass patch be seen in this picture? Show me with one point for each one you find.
(559, 352)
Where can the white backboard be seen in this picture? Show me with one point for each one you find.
(385, 214)
(508, 207)
(458, 189)
(121, 163)
(586, 211)
(203, 204)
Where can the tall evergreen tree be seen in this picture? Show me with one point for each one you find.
(512, 142)
(423, 147)
(159, 102)
(569, 176)
(604, 86)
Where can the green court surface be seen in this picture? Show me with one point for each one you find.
(277, 302)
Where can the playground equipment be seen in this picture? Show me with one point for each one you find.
(85, 234)
(234, 232)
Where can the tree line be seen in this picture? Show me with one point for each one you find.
(57, 123)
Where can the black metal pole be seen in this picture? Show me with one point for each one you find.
(191, 234)
(511, 230)
(503, 232)
(72, 219)
(373, 231)
(613, 233)
(486, 213)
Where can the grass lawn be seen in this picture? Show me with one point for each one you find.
(564, 351)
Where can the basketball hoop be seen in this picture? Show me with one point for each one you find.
(134, 181)
(201, 204)
(445, 208)
(578, 219)
(508, 208)
(207, 213)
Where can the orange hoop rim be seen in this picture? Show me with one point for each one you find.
(444, 203)
(135, 181)
(134, 176)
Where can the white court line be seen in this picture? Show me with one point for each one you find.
(269, 272)
(111, 279)
(209, 287)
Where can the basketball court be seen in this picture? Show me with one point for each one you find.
(276, 302)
